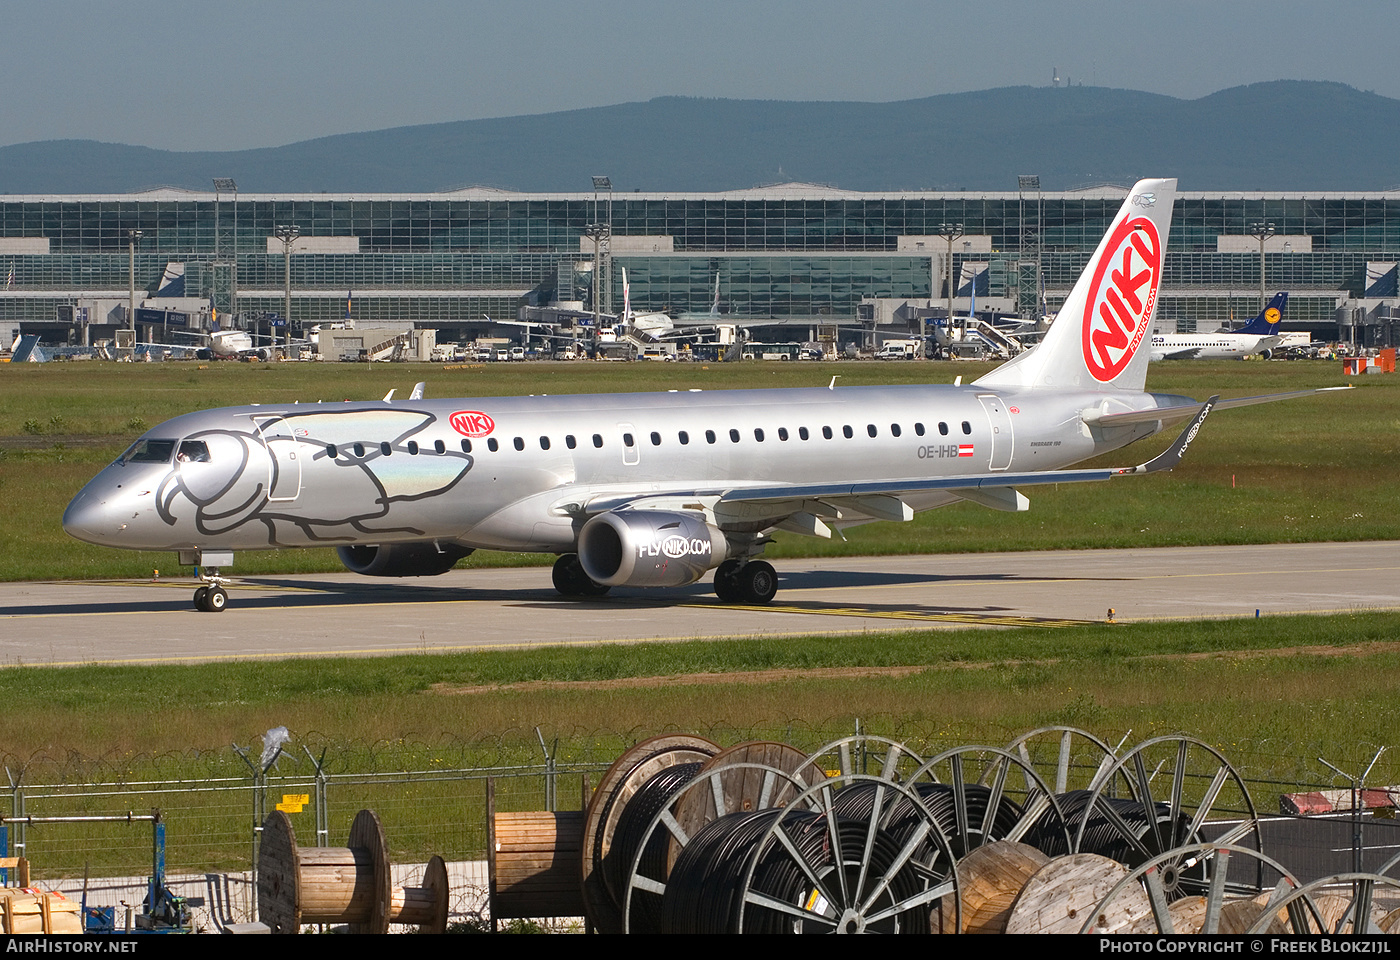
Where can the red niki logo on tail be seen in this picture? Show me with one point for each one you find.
(1118, 312)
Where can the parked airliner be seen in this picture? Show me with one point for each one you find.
(1259, 336)
(653, 490)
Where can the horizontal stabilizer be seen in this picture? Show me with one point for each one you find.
(1182, 411)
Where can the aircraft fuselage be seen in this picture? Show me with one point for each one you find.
(516, 473)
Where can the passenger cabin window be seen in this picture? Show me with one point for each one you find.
(193, 451)
(919, 429)
(544, 443)
(826, 432)
(733, 435)
(570, 442)
(655, 439)
(894, 430)
(492, 445)
(439, 446)
(683, 437)
(330, 451)
(519, 443)
(413, 448)
(758, 434)
(782, 433)
(943, 429)
(359, 449)
(149, 451)
(802, 432)
(466, 446)
(384, 449)
(870, 429)
(967, 428)
(847, 432)
(598, 440)
(627, 440)
(709, 436)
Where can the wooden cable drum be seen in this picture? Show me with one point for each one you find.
(349, 885)
(991, 877)
(1067, 889)
(628, 774)
(534, 864)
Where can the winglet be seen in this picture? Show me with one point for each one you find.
(389, 397)
(1171, 456)
(418, 389)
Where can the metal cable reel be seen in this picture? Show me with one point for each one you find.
(867, 754)
(1076, 756)
(1193, 780)
(648, 889)
(815, 870)
(628, 775)
(1142, 903)
(983, 794)
(1335, 914)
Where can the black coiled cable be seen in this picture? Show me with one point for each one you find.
(629, 835)
(704, 893)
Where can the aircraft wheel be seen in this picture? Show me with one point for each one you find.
(216, 600)
(758, 582)
(727, 582)
(571, 580)
(201, 599)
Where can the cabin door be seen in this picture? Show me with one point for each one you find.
(284, 452)
(1001, 430)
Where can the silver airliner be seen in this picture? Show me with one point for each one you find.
(653, 490)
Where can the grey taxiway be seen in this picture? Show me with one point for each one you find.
(139, 621)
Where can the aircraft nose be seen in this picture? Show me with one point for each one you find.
(90, 518)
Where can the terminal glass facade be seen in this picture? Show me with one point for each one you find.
(784, 253)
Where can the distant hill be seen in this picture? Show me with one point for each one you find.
(1284, 135)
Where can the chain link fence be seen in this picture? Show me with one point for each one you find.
(431, 796)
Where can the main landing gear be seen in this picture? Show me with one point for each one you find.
(571, 580)
(753, 582)
(211, 597)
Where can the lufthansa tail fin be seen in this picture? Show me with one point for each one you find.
(1266, 324)
(1099, 339)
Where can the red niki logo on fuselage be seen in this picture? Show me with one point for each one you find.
(472, 423)
(1118, 310)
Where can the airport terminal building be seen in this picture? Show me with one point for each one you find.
(787, 258)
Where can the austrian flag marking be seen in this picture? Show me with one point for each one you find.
(1118, 310)
(472, 423)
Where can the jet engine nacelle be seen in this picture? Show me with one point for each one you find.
(649, 548)
(425, 558)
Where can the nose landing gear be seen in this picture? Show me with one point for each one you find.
(212, 597)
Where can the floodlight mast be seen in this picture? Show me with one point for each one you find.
(225, 271)
(601, 232)
(950, 232)
(1261, 230)
(287, 233)
(131, 237)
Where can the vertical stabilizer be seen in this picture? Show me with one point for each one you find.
(1266, 324)
(1099, 339)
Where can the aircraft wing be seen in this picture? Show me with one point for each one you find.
(1168, 414)
(801, 507)
(1187, 354)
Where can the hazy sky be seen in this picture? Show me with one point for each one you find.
(249, 73)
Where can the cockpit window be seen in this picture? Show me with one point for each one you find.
(149, 451)
(193, 451)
